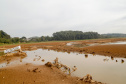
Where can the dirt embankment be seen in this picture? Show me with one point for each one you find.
(108, 50)
(34, 74)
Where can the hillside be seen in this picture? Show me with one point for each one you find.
(4, 35)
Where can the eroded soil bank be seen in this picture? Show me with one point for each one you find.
(34, 74)
(108, 50)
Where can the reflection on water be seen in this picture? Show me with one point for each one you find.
(69, 44)
(118, 42)
(108, 71)
(94, 44)
(105, 69)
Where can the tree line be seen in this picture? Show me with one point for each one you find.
(75, 35)
(5, 38)
(57, 36)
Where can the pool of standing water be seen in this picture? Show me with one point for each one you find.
(101, 68)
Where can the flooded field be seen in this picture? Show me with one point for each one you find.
(105, 69)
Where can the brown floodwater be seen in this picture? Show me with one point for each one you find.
(102, 68)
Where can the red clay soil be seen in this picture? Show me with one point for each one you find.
(108, 50)
(34, 74)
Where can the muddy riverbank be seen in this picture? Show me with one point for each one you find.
(108, 50)
(38, 74)
(82, 46)
(30, 70)
(25, 74)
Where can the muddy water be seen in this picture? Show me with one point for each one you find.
(79, 45)
(118, 42)
(107, 71)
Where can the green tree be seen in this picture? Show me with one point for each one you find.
(75, 35)
(15, 40)
(4, 35)
(23, 39)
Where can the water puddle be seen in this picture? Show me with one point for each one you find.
(118, 42)
(71, 43)
(94, 44)
(105, 69)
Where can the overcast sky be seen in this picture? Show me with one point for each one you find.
(44, 17)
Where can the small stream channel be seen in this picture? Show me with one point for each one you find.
(109, 71)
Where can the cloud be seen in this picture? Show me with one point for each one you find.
(43, 17)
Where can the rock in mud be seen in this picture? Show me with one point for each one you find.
(35, 70)
(49, 64)
(88, 79)
(56, 61)
(74, 68)
(86, 55)
(43, 60)
(112, 58)
(122, 61)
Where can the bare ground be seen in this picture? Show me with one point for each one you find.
(26, 74)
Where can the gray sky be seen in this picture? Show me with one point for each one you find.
(44, 17)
